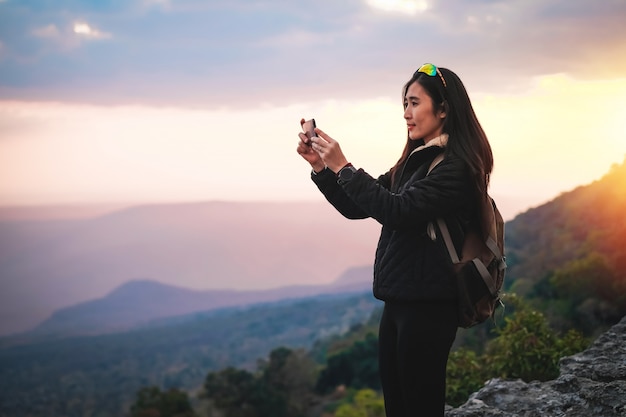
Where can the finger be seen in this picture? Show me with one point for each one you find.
(323, 135)
(317, 143)
(303, 149)
(302, 121)
(304, 138)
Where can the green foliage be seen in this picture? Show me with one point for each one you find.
(235, 391)
(525, 347)
(293, 374)
(465, 374)
(356, 366)
(152, 402)
(528, 348)
(324, 347)
(594, 294)
(586, 277)
(282, 388)
(366, 403)
(571, 343)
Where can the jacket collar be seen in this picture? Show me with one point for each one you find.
(440, 141)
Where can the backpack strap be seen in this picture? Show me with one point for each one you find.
(480, 266)
(484, 273)
(493, 247)
(435, 162)
(447, 238)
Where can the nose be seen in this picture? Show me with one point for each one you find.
(407, 113)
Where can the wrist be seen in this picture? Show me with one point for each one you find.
(347, 164)
(338, 167)
(345, 174)
(317, 168)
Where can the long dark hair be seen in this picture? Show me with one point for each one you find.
(466, 137)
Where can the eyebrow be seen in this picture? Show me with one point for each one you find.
(411, 98)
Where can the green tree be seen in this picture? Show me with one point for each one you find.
(356, 367)
(527, 348)
(586, 293)
(587, 277)
(281, 387)
(236, 392)
(366, 403)
(152, 402)
(290, 374)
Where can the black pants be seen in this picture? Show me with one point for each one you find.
(414, 344)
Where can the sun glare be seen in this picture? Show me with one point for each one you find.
(410, 7)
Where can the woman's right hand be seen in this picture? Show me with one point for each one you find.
(311, 156)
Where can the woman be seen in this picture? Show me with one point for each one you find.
(412, 270)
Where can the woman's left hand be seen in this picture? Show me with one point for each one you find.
(329, 150)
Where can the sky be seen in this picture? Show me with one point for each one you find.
(136, 101)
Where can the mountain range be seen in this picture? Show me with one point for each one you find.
(107, 269)
(240, 250)
(144, 303)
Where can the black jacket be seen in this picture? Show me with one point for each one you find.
(409, 265)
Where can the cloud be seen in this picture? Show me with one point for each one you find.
(88, 32)
(69, 37)
(198, 53)
(410, 7)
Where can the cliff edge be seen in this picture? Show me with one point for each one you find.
(591, 384)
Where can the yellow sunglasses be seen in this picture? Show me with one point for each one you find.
(431, 70)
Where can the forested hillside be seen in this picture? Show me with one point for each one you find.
(568, 255)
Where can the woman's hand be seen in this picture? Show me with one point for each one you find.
(328, 150)
(306, 151)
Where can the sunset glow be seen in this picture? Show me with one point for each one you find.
(180, 101)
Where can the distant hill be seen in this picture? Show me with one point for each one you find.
(46, 265)
(142, 302)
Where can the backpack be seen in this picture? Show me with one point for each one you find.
(480, 266)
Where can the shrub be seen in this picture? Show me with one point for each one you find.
(465, 375)
(528, 348)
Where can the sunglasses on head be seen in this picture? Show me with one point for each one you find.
(431, 70)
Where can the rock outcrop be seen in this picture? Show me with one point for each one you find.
(591, 384)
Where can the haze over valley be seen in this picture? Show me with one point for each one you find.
(46, 265)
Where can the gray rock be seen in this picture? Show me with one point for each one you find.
(591, 384)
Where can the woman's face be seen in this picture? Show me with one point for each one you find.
(422, 122)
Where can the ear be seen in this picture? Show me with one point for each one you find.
(443, 110)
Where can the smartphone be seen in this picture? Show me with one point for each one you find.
(308, 127)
